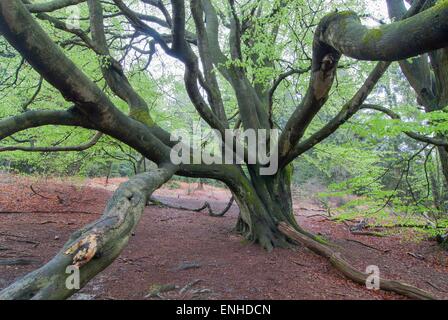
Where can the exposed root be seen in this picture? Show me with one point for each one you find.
(348, 270)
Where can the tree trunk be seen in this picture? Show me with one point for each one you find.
(265, 201)
(443, 156)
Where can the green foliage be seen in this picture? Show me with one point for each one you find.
(369, 163)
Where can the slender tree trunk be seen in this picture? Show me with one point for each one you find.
(443, 156)
(434, 181)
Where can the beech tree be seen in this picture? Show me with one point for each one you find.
(212, 41)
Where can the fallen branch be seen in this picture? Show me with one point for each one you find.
(367, 233)
(156, 290)
(347, 269)
(206, 205)
(18, 238)
(48, 211)
(406, 225)
(16, 262)
(299, 264)
(368, 245)
(315, 215)
(416, 255)
(25, 241)
(47, 222)
(436, 287)
(38, 194)
(312, 209)
(189, 286)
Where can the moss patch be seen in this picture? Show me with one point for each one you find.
(142, 116)
(373, 35)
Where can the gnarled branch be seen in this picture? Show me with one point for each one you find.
(94, 247)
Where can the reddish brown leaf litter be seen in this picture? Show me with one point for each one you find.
(188, 255)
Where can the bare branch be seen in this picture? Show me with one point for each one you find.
(80, 147)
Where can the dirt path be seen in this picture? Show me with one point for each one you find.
(199, 255)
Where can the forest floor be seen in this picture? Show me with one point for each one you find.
(198, 256)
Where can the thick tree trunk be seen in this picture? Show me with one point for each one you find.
(265, 201)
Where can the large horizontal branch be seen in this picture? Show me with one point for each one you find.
(94, 247)
(429, 88)
(421, 33)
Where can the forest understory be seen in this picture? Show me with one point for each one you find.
(179, 254)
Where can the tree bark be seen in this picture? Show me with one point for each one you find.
(94, 247)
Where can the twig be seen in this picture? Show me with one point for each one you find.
(49, 211)
(312, 209)
(315, 215)
(26, 241)
(20, 238)
(367, 233)
(435, 287)
(206, 205)
(38, 194)
(15, 262)
(416, 255)
(187, 265)
(299, 264)
(47, 222)
(368, 246)
(189, 286)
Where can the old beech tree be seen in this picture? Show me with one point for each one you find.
(190, 31)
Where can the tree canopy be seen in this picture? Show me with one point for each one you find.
(102, 81)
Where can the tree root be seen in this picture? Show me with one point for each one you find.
(348, 270)
(206, 205)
